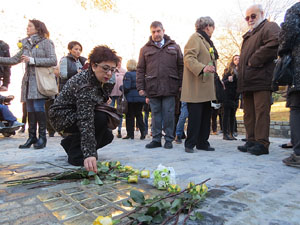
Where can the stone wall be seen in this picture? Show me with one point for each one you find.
(277, 128)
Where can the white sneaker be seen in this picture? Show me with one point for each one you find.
(16, 124)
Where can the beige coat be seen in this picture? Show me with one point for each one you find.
(196, 87)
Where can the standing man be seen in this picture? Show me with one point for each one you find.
(259, 50)
(4, 70)
(159, 76)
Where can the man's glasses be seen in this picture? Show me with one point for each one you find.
(107, 68)
(252, 16)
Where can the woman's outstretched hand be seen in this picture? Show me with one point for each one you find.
(25, 58)
(90, 164)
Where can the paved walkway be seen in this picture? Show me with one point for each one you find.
(244, 189)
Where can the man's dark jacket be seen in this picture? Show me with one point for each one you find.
(259, 50)
(159, 70)
(4, 70)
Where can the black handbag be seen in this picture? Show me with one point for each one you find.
(283, 73)
(122, 104)
(114, 116)
(219, 88)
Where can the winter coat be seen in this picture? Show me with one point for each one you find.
(159, 70)
(75, 104)
(2, 99)
(129, 84)
(68, 68)
(119, 76)
(230, 94)
(42, 50)
(4, 70)
(197, 87)
(289, 40)
(259, 50)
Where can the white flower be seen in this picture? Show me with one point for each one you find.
(161, 184)
(163, 174)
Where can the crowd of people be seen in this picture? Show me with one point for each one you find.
(172, 85)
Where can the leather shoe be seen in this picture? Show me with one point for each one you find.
(127, 137)
(258, 149)
(232, 137)
(142, 137)
(189, 150)
(289, 145)
(208, 148)
(168, 145)
(244, 148)
(153, 144)
(227, 137)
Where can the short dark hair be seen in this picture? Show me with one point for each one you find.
(102, 53)
(41, 28)
(156, 24)
(72, 44)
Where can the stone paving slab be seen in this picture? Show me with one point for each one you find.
(244, 189)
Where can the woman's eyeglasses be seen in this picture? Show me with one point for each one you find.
(252, 16)
(107, 68)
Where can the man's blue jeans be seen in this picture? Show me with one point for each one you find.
(182, 118)
(114, 101)
(7, 114)
(163, 117)
(35, 105)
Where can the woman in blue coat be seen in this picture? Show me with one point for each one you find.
(135, 102)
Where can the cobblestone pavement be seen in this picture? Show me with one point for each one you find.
(244, 189)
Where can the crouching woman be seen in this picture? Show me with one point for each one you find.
(73, 113)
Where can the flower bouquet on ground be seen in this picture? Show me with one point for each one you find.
(163, 209)
(106, 171)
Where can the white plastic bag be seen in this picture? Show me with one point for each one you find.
(163, 177)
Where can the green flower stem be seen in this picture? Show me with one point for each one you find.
(175, 194)
(176, 214)
(65, 168)
(168, 196)
(24, 180)
(190, 211)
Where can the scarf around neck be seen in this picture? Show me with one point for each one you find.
(207, 38)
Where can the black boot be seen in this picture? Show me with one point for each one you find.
(41, 120)
(32, 122)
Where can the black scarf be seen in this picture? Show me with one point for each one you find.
(207, 38)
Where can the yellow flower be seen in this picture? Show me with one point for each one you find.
(200, 189)
(20, 45)
(118, 163)
(145, 174)
(135, 172)
(101, 220)
(132, 179)
(37, 46)
(105, 163)
(191, 184)
(173, 188)
(122, 169)
(128, 168)
(211, 50)
(204, 188)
